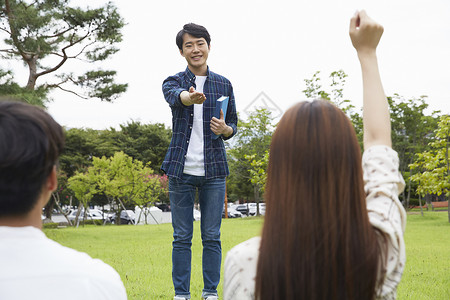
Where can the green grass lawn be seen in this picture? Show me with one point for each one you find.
(142, 254)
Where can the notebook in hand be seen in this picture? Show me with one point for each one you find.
(221, 103)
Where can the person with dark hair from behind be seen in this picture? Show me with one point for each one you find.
(334, 225)
(196, 162)
(31, 265)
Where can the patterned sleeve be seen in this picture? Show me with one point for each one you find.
(172, 90)
(382, 184)
(240, 270)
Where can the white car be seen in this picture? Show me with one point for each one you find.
(92, 214)
(232, 212)
(252, 209)
(126, 217)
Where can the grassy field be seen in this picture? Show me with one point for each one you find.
(142, 254)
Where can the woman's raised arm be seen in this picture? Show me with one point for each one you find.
(365, 34)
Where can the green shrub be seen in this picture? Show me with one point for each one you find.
(415, 202)
(50, 225)
(91, 222)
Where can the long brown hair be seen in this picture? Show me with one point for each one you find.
(317, 242)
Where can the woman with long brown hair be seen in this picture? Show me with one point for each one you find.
(334, 225)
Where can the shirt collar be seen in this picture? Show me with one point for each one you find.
(191, 76)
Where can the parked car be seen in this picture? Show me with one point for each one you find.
(163, 207)
(252, 209)
(243, 209)
(232, 212)
(126, 217)
(92, 214)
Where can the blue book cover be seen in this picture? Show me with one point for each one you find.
(221, 104)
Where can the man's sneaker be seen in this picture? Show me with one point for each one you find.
(179, 298)
(211, 298)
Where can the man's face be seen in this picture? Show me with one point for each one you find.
(195, 51)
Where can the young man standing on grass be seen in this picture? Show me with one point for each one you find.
(31, 265)
(195, 161)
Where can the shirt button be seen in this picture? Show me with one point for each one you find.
(190, 127)
(192, 115)
(187, 142)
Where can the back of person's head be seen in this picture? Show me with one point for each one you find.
(316, 242)
(30, 144)
(195, 30)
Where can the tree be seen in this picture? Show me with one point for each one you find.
(82, 145)
(147, 191)
(411, 127)
(125, 181)
(147, 143)
(46, 34)
(258, 174)
(412, 130)
(435, 162)
(84, 187)
(253, 140)
(314, 90)
(58, 197)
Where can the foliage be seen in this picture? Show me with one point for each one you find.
(121, 179)
(50, 225)
(258, 174)
(46, 34)
(164, 185)
(10, 89)
(412, 130)
(434, 164)
(83, 144)
(314, 90)
(253, 140)
(84, 187)
(147, 143)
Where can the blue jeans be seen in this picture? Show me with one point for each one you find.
(211, 198)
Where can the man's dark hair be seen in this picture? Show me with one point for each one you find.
(195, 30)
(30, 144)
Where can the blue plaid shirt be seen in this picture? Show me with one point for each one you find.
(215, 158)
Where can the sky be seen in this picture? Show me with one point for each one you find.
(266, 47)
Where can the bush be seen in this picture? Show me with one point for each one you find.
(91, 222)
(50, 225)
(415, 202)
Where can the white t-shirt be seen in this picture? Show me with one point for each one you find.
(194, 163)
(34, 267)
(383, 183)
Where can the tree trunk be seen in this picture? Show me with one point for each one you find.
(448, 170)
(33, 72)
(428, 201)
(420, 204)
(409, 184)
(60, 209)
(48, 209)
(256, 193)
